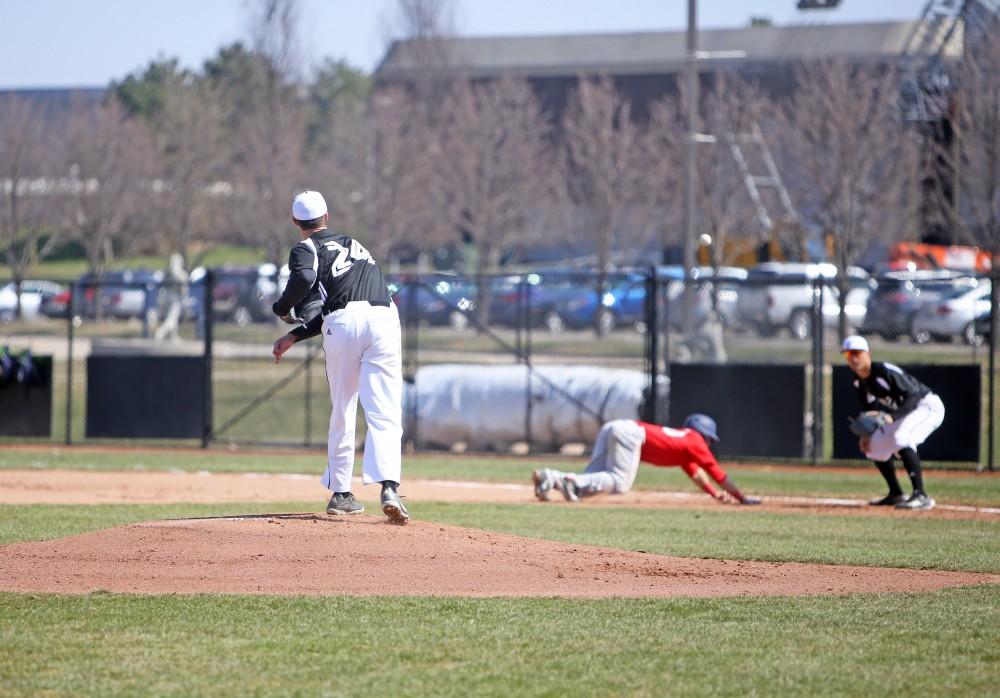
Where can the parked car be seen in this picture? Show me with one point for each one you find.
(953, 315)
(624, 303)
(437, 300)
(240, 294)
(621, 305)
(536, 297)
(779, 296)
(56, 305)
(898, 295)
(982, 325)
(120, 294)
(34, 293)
(729, 282)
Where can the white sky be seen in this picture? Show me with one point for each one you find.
(88, 43)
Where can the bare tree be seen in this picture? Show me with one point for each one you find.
(267, 147)
(28, 184)
(338, 132)
(274, 32)
(604, 168)
(979, 143)
(421, 29)
(400, 176)
(492, 168)
(847, 157)
(405, 123)
(269, 173)
(191, 156)
(110, 160)
(731, 110)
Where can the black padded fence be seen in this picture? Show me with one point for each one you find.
(759, 408)
(153, 397)
(25, 394)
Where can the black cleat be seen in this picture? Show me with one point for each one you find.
(890, 500)
(344, 503)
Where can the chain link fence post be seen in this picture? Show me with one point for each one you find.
(818, 414)
(991, 436)
(208, 320)
(70, 315)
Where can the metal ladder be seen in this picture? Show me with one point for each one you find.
(926, 84)
(755, 182)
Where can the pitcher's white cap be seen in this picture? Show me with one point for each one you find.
(855, 343)
(308, 206)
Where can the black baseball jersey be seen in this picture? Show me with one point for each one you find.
(336, 267)
(890, 389)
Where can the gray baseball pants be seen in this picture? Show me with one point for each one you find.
(615, 460)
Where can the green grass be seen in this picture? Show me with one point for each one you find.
(101, 644)
(745, 534)
(864, 482)
(731, 533)
(49, 521)
(71, 269)
(218, 645)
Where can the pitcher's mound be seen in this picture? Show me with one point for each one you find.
(363, 555)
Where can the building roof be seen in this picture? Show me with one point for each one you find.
(663, 52)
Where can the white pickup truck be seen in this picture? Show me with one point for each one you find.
(778, 296)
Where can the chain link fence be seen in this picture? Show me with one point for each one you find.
(534, 337)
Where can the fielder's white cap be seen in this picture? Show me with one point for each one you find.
(855, 343)
(308, 206)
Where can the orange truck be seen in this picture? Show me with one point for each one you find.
(919, 255)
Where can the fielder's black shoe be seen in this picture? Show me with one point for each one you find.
(918, 500)
(343, 503)
(392, 506)
(890, 500)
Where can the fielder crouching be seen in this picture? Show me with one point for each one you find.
(911, 413)
(623, 443)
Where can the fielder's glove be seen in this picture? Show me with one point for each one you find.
(867, 423)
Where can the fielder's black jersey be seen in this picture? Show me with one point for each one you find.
(890, 389)
(335, 267)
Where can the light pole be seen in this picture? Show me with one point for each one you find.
(691, 140)
(690, 162)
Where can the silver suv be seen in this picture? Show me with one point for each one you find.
(778, 296)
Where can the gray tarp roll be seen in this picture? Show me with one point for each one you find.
(485, 406)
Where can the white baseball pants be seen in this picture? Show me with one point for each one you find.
(909, 432)
(364, 360)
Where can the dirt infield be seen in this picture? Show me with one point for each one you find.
(364, 555)
(136, 487)
(309, 553)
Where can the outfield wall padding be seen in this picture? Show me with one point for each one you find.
(759, 408)
(145, 397)
(26, 408)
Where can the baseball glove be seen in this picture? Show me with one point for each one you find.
(867, 423)
(305, 310)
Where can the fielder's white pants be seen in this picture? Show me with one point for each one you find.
(615, 459)
(364, 360)
(909, 432)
